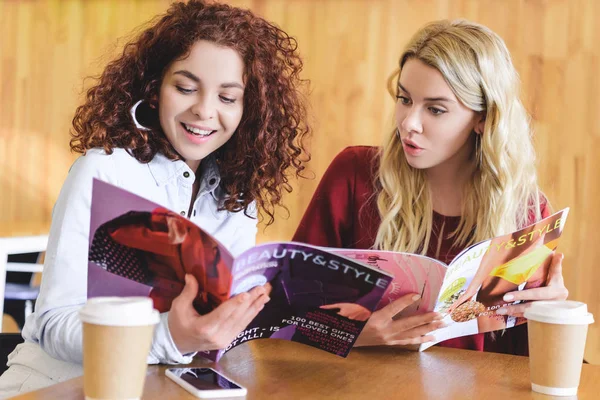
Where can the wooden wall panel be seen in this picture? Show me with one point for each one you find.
(349, 47)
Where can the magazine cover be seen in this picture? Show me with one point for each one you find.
(471, 288)
(138, 248)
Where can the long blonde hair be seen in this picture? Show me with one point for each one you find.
(503, 193)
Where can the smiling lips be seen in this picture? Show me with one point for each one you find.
(198, 131)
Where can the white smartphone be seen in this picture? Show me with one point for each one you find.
(205, 383)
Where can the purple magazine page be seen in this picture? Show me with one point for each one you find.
(318, 298)
(138, 248)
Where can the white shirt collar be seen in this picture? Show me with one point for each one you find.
(165, 171)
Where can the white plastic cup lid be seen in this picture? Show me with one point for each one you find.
(563, 312)
(119, 311)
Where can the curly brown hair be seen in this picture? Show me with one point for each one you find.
(268, 147)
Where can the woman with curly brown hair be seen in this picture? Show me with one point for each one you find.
(201, 113)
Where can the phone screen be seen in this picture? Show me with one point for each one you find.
(204, 378)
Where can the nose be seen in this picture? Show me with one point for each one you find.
(410, 120)
(203, 108)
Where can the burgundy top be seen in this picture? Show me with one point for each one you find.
(343, 213)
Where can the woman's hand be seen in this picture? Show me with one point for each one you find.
(463, 298)
(349, 310)
(192, 332)
(554, 290)
(383, 329)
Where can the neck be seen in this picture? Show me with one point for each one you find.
(447, 183)
(194, 165)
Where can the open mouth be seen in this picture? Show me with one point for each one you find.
(411, 146)
(197, 132)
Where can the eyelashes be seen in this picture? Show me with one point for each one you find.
(227, 100)
(224, 99)
(184, 90)
(434, 110)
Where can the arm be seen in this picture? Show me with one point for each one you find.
(56, 323)
(383, 329)
(328, 221)
(64, 281)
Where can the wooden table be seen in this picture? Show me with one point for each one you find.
(273, 369)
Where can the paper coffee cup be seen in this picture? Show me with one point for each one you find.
(117, 334)
(557, 334)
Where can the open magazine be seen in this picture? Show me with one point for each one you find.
(138, 248)
(470, 289)
(320, 296)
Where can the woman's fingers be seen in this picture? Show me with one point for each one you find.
(554, 290)
(418, 331)
(413, 340)
(408, 323)
(392, 309)
(240, 320)
(555, 275)
(183, 304)
(382, 330)
(193, 332)
(541, 293)
(222, 325)
(516, 310)
(228, 311)
(245, 313)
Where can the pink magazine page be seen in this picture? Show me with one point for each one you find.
(412, 274)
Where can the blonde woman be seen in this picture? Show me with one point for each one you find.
(458, 168)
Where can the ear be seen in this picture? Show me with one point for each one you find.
(480, 125)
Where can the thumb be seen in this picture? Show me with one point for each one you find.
(555, 271)
(190, 290)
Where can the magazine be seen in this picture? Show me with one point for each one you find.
(138, 248)
(469, 290)
(320, 296)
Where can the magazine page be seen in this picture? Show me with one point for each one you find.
(412, 273)
(138, 248)
(478, 279)
(317, 298)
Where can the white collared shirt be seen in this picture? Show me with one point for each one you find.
(55, 324)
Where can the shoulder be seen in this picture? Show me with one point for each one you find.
(358, 163)
(112, 168)
(97, 158)
(357, 156)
